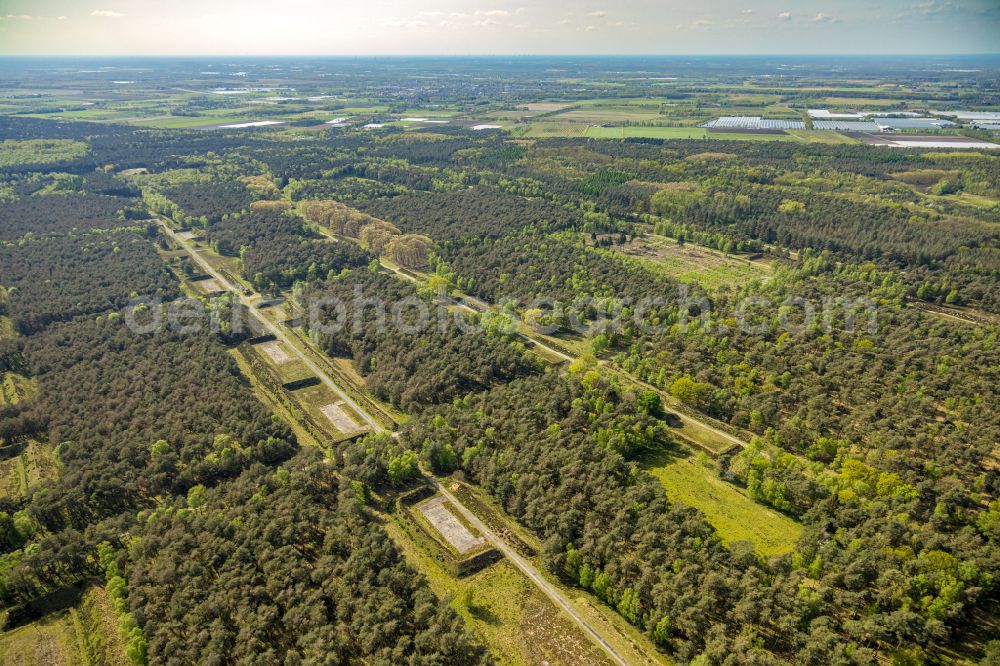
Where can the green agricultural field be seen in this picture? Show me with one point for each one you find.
(39, 151)
(181, 122)
(595, 132)
(727, 507)
(549, 127)
(821, 136)
(646, 132)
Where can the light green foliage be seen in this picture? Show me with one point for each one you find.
(136, 647)
(196, 496)
(39, 151)
(691, 392)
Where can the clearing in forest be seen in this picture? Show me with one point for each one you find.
(208, 285)
(20, 470)
(692, 263)
(80, 629)
(14, 388)
(727, 508)
(505, 609)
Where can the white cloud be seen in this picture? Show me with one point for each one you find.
(15, 17)
(61, 18)
(747, 11)
(495, 12)
(598, 14)
(565, 22)
(785, 16)
(701, 23)
(822, 18)
(106, 13)
(590, 28)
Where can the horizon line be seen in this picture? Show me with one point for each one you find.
(501, 55)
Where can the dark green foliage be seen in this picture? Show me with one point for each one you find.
(470, 213)
(285, 566)
(229, 236)
(58, 278)
(530, 266)
(211, 199)
(44, 216)
(411, 366)
(283, 260)
(109, 394)
(597, 183)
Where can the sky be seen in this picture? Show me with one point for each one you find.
(401, 27)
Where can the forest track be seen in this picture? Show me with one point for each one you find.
(526, 567)
(530, 571)
(684, 413)
(267, 325)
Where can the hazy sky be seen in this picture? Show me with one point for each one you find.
(492, 26)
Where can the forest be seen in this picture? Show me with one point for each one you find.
(59, 278)
(410, 352)
(830, 308)
(319, 579)
(157, 434)
(551, 441)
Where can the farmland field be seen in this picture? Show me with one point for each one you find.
(628, 132)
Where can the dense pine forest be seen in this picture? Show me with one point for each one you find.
(845, 335)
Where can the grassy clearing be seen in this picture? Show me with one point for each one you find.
(76, 628)
(12, 477)
(54, 640)
(727, 507)
(278, 404)
(627, 640)
(702, 437)
(691, 263)
(7, 330)
(33, 464)
(14, 388)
